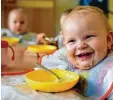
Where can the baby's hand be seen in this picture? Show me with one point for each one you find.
(41, 38)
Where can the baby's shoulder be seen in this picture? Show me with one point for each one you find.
(4, 29)
(108, 61)
(5, 32)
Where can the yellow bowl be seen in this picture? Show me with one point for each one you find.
(11, 40)
(44, 81)
(42, 48)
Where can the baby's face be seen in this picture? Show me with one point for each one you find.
(17, 23)
(85, 38)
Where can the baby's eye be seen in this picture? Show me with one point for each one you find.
(22, 22)
(89, 36)
(71, 41)
(15, 22)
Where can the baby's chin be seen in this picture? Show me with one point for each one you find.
(83, 66)
(18, 31)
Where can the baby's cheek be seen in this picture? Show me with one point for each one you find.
(70, 51)
(69, 48)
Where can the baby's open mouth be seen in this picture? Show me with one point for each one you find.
(85, 55)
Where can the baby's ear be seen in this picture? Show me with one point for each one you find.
(110, 39)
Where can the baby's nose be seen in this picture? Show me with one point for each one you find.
(81, 45)
(18, 24)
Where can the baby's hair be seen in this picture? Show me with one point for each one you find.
(17, 10)
(67, 11)
(91, 9)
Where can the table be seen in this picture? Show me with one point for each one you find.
(18, 87)
(14, 87)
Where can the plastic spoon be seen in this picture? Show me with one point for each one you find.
(41, 66)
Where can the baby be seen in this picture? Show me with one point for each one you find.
(88, 40)
(17, 27)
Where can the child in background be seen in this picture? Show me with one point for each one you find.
(17, 24)
(88, 40)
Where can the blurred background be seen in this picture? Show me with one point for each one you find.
(44, 15)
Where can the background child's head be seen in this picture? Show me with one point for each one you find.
(87, 36)
(17, 21)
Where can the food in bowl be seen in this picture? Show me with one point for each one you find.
(44, 81)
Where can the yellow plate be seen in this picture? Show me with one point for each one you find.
(44, 81)
(42, 48)
(11, 40)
